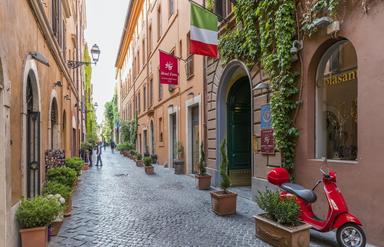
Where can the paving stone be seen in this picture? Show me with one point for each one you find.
(119, 205)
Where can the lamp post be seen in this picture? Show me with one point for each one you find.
(263, 85)
(95, 52)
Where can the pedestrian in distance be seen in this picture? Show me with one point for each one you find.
(98, 153)
(105, 146)
(113, 146)
(90, 153)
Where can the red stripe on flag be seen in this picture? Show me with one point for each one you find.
(200, 48)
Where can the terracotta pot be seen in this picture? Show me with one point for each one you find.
(281, 236)
(203, 182)
(139, 163)
(149, 170)
(223, 203)
(68, 207)
(55, 227)
(179, 167)
(34, 237)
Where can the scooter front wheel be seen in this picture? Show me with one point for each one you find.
(350, 235)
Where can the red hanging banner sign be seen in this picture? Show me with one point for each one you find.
(169, 71)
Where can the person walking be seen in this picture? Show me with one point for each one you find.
(90, 153)
(105, 146)
(98, 153)
(113, 146)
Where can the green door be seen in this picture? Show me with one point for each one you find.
(239, 133)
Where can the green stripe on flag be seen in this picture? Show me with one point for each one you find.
(202, 18)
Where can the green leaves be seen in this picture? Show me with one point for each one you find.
(284, 211)
(37, 212)
(202, 170)
(268, 29)
(225, 181)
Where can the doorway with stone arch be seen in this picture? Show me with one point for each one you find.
(234, 122)
(32, 136)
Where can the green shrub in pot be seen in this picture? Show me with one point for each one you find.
(37, 212)
(75, 163)
(147, 161)
(63, 175)
(57, 188)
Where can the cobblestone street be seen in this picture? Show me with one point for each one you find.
(118, 205)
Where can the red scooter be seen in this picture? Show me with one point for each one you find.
(349, 232)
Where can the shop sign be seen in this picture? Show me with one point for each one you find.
(332, 80)
(267, 141)
(265, 116)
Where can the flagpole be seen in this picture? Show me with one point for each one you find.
(184, 60)
(203, 7)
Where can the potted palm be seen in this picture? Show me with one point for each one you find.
(224, 202)
(34, 215)
(139, 160)
(281, 219)
(178, 163)
(148, 165)
(202, 178)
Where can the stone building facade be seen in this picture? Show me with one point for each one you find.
(168, 117)
(40, 96)
(339, 116)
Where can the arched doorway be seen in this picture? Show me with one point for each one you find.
(239, 124)
(234, 123)
(54, 131)
(33, 138)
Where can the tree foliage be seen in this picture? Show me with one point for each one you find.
(91, 122)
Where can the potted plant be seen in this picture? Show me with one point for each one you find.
(224, 202)
(76, 164)
(178, 163)
(55, 226)
(34, 215)
(58, 189)
(65, 176)
(133, 154)
(148, 165)
(139, 160)
(154, 158)
(202, 178)
(281, 219)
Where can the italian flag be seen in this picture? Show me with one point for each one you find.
(203, 39)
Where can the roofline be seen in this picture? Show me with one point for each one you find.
(130, 19)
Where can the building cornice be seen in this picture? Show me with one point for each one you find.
(52, 43)
(133, 13)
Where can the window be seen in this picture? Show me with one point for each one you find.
(336, 103)
(159, 23)
(160, 91)
(161, 129)
(223, 8)
(56, 19)
(171, 7)
(138, 103)
(145, 97)
(190, 61)
(172, 87)
(151, 92)
(143, 44)
(150, 39)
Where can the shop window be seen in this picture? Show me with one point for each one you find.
(171, 6)
(336, 103)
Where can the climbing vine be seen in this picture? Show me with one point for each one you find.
(266, 30)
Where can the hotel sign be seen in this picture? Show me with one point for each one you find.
(267, 141)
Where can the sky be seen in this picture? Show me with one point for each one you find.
(105, 21)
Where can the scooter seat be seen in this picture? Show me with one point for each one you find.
(300, 191)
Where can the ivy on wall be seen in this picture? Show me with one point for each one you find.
(266, 30)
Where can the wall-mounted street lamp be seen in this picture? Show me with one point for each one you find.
(58, 84)
(95, 52)
(67, 97)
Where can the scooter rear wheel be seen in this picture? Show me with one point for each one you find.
(351, 235)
